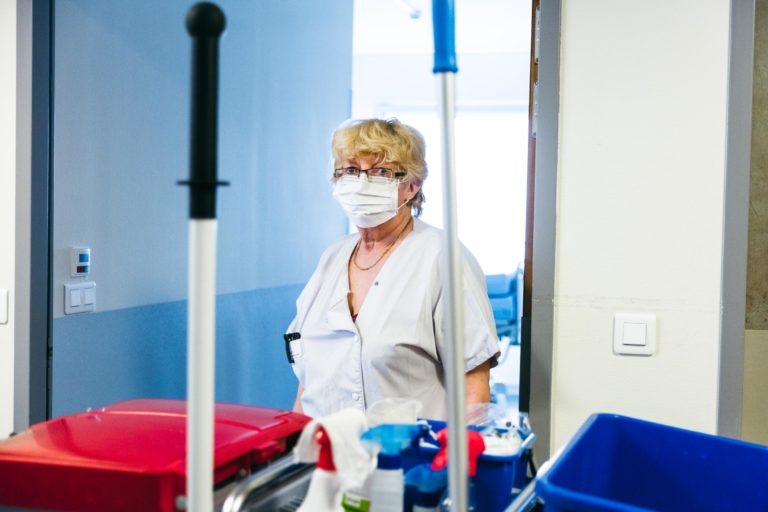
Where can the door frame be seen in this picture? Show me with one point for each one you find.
(34, 111)
(539, 278)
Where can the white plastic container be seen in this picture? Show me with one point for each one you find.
(387, 490)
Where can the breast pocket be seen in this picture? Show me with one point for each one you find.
(323, 359)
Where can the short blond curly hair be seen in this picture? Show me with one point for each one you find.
(385, 140)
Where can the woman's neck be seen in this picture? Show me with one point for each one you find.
(385, 234)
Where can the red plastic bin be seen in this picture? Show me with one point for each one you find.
(132, 455)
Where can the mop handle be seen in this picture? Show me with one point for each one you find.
(445, 69)
(444, 34)
(205, 23)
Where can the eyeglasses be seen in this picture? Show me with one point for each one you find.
(373, 172)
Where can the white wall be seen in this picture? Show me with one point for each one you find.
(7, 203)
(641, 169)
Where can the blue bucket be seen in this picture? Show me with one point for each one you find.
(616, 463)
(499, 478)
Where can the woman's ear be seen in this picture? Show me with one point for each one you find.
(413, 189)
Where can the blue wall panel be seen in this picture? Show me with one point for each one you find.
(141, 353)
(251, 364)
(117, 355)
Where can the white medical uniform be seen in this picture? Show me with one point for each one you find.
(395, 346)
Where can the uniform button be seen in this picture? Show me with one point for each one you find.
(355, 396)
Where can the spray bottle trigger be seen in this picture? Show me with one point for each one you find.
(325, 457)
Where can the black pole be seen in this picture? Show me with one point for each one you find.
(205, 23)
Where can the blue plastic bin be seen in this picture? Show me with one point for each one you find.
(615, 463)
(499, 478)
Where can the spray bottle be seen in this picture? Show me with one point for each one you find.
(387, 481)
(323, 493)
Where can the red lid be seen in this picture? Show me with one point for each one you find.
(132, 455)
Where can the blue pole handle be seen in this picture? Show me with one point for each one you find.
(445, 36)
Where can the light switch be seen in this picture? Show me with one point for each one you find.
(79, 297)
(634, 333)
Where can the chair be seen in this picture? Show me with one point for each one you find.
(504, 293)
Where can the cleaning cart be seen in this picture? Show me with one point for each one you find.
(498, 479)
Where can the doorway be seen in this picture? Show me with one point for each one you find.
(392, 77)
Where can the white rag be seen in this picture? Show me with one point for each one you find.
(353, 463)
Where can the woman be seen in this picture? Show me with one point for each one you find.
(369, 323)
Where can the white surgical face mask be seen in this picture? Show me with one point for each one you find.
(367, 202)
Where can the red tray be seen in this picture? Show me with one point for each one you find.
(132, 455)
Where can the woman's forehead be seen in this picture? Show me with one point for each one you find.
(367, 158)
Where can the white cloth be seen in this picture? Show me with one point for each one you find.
(344, 428)
(395, 348)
